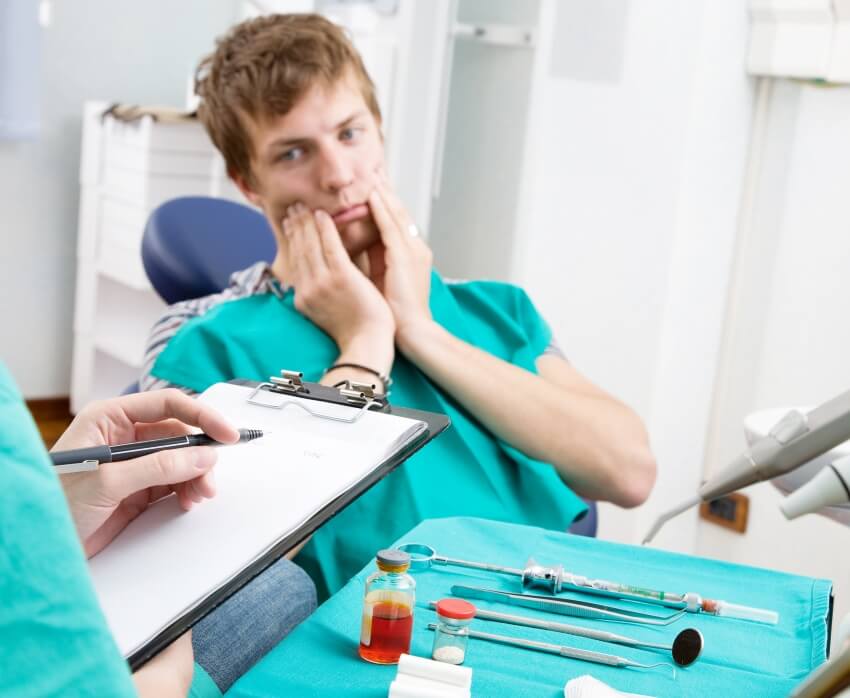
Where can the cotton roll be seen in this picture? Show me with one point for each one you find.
(436, 671)
(414, 687)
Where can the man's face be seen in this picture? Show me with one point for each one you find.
(325, 153)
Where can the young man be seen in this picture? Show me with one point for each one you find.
(352, 294)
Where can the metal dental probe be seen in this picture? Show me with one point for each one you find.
(563, 650)
(685, 650)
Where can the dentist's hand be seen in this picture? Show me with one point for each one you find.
(104, 501)
(401, 268)
(332, 292)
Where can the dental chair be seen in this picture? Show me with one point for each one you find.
(192, 245)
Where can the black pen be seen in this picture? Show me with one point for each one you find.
(82, 459)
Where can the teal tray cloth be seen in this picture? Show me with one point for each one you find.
(740, 658)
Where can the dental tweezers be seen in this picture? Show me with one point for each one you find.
(565, 607)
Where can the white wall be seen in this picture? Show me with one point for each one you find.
(130, 52)
(634, 208)
(632, 190)
(789, 332)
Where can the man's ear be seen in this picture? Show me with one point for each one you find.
(247, 191)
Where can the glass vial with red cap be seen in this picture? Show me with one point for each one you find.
(452, 632)
(388, 609)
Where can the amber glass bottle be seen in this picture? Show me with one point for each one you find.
(388, 609)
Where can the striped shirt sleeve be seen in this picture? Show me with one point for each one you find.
(254, 279)
(165, 328)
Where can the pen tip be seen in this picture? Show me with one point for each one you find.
(251, 434)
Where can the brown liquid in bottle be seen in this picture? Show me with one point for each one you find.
(391, 627)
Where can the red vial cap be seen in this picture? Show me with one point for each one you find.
(455, 608)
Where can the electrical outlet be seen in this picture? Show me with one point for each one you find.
(730, 511)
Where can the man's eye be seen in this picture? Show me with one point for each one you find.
(348, 134)
(291, 154)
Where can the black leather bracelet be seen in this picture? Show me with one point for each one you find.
(386, 380)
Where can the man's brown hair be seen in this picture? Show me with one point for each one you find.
(261, 68)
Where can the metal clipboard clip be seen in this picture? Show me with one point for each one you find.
(274, 393)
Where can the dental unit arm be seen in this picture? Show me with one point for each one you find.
(793, 441)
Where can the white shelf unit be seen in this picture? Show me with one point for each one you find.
(488, 75)
(126, 171)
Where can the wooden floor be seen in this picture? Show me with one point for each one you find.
(52, 415)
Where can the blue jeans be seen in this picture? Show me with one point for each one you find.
(238, 633)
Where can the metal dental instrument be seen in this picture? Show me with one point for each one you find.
(685, 650)
(424, 556)
(794, 440)
(557, 579)
(563, 650)
(553, 579)
(565, 607)
(688, 601)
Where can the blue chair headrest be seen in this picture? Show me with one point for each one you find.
(192, 245)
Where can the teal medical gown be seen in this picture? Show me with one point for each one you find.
(467, 471)
(53, 636)
(54, 640)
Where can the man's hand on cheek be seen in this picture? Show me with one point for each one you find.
(373, 263)
(403, 271)
(330, 290)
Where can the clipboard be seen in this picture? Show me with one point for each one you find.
(308, 396)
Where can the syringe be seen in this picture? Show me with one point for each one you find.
(689, 601)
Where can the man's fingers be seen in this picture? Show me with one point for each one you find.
(387, 227)
(159, 405)
(294, 248)
(394, 205)
(171, 467)
(309, 246)
(377, 265)
(334, 252)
